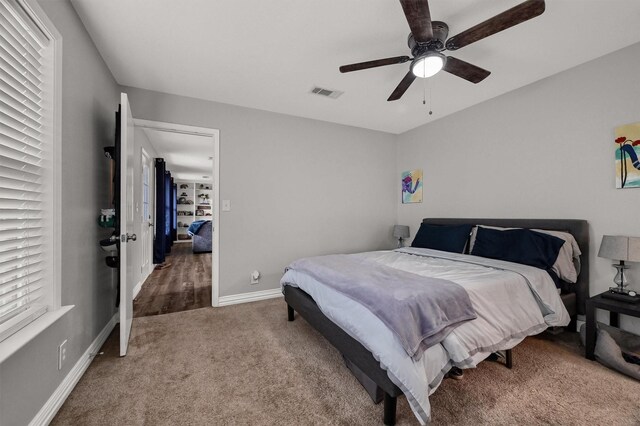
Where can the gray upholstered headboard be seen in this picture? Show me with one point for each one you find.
(578, 228)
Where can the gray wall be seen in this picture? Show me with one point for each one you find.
(298, 187)
(90, 97)
(545, 151)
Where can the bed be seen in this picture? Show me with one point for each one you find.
(371, 349)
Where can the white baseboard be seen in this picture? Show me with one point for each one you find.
(138, 286)
(254, 296)
(59, 396)
(137, 289)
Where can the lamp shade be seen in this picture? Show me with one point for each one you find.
(401, 231)
(620, 248)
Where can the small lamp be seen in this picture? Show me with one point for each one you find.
(622, 249)
(400, 232)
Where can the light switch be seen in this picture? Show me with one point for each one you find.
(226, 205)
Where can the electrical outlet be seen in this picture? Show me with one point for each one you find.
(62, 354)
(255, 277)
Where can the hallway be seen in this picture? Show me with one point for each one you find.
(184, 284)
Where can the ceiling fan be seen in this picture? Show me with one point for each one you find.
(428, 39)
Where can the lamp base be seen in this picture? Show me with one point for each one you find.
(620, 297)
(618, 290)
(620, 279)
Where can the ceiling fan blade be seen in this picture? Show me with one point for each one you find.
(419, 19)
(507, 19)
(465, 70)
(372, 64)
(403, 86)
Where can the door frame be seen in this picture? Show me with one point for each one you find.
(215, 135)
(148, 160)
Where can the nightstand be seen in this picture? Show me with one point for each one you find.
(615, 308)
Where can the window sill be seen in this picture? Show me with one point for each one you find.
(15, 342)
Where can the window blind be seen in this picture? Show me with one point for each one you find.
(23, 157)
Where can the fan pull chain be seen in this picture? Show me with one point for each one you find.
(424, 94)
(430, 100)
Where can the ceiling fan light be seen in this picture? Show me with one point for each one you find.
(428, 65)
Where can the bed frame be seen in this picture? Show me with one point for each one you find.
(362, 362)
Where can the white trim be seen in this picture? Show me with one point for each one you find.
(254, 296)
(27, 326)
(147, 160)
(143, 280)
(175, 128)
(59, 396)
(137, 288)
(21, 320)
(56, 214)
(215, 134)
(215, 264)
(41, 19)
(16, 341)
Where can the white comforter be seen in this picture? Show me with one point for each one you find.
(511, 300)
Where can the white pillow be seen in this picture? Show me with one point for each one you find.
(567, 265)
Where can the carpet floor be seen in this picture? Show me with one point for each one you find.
(246, 365)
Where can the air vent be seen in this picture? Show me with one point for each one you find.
(333, 94)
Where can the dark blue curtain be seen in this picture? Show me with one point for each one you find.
(168, 215)
(160, 240)
(174, 212)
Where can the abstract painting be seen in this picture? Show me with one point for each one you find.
(627, 153)
(412, 186)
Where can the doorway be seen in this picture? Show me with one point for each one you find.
(181, 282)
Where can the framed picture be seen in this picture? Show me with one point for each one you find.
(626, 158)
(412, 186)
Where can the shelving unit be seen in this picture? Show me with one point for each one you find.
(185, 208)
(194, 203)
(204, 195)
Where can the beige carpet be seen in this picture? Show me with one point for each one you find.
(246, 365)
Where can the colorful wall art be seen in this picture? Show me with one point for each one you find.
(412, 186)
(627, 153)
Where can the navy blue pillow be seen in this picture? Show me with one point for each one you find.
(450, 238)
(518, 246)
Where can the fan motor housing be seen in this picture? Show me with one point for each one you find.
(437, 43)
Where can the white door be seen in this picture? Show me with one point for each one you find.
(127, 236)
(145, 228)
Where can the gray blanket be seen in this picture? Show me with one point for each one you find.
(419, 310)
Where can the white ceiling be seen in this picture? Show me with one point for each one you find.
(188, 157)
(269, 54)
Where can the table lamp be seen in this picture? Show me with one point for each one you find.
(624, 249)
(400, 232)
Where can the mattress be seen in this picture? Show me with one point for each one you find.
(512, 301)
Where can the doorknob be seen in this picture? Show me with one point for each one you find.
(126, 237)
(150, 224)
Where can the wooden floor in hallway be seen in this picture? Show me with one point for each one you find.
(183, 285)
